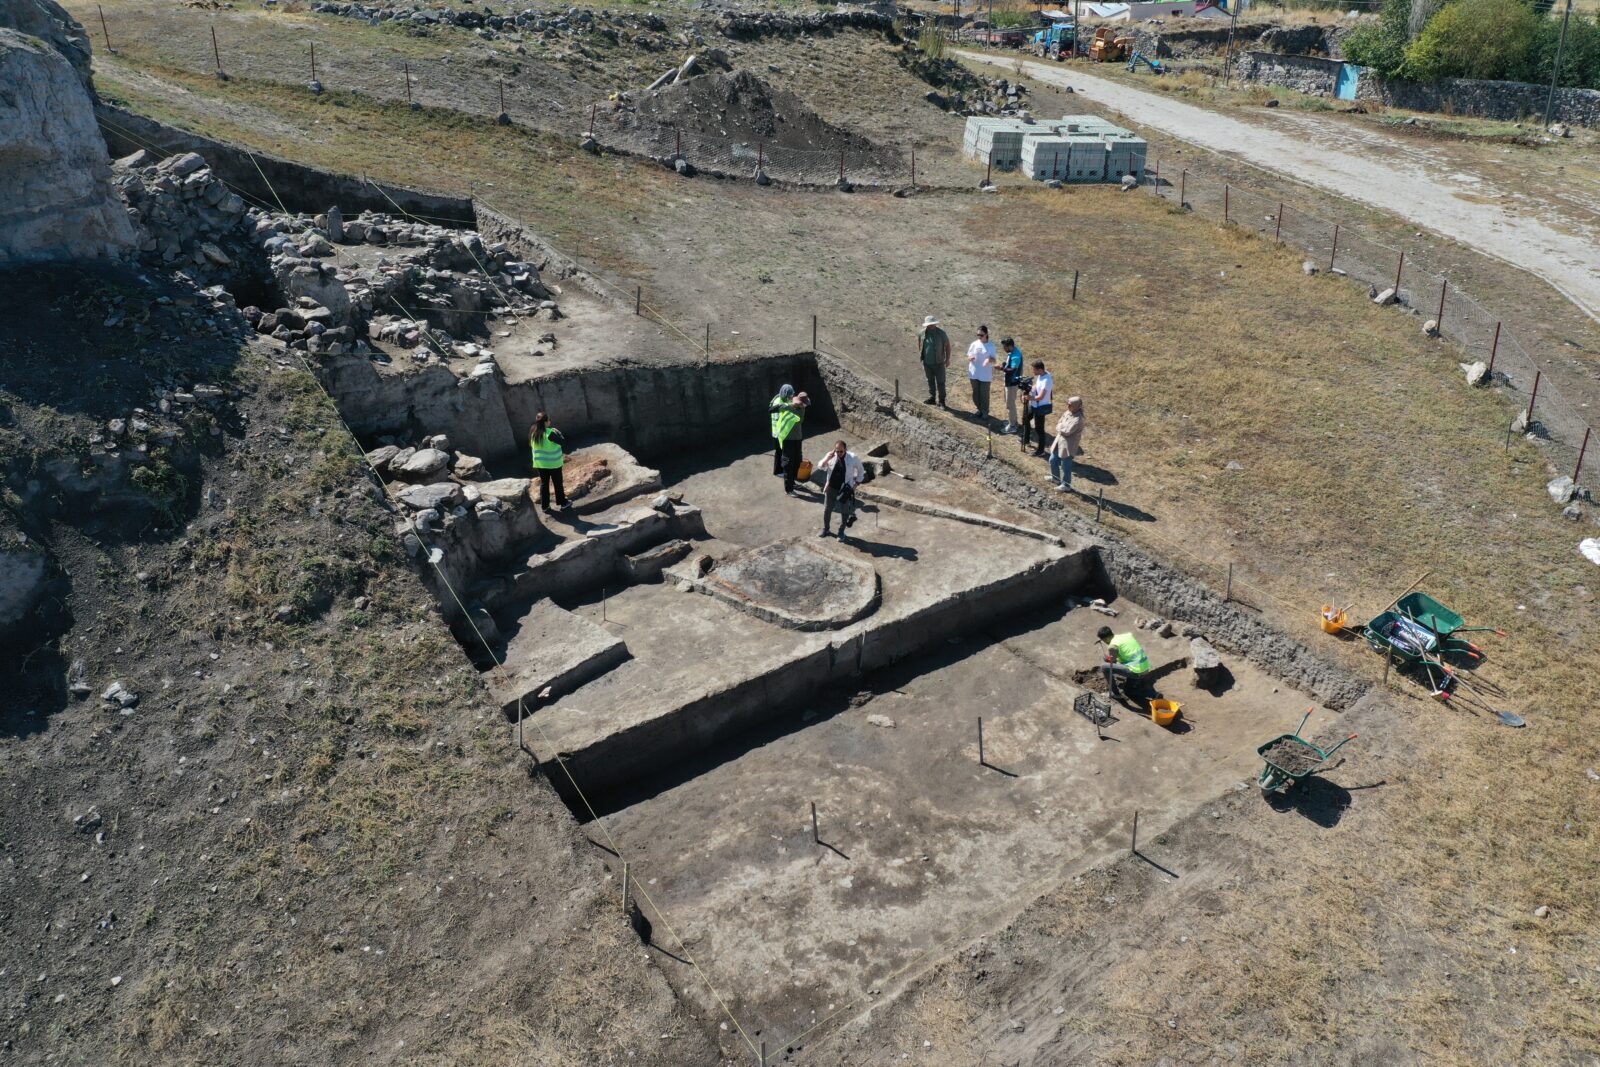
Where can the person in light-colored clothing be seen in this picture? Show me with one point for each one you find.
(1069, 434)
(841, 471)
(980, 371)
(1040, 404)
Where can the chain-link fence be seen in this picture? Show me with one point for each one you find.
(1427, 293)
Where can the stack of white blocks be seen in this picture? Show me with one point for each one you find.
(1074, 148)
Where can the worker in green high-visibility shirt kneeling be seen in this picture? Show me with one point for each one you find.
(1125, 659)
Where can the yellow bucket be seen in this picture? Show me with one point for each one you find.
(1333, 619)
(804, 471)
(1165, 712)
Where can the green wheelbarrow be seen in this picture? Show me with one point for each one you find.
(1288, 758)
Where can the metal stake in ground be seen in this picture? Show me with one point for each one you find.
(1074, 285)
(408, 84)
(1224, 204)
(624, 887)
(1335, 253)
(813, 334)
(104, 30)
(982, 762)
(216, 52)
(1277, 229)
(1438, 320)
(1398, 267)
(1133, 842)
(1581, 450)
(1183, 184)
(1527, 420)
(1099, 503)
(638, 298)
(1227, 594)
(913, 166)
(816, 838)
(1494, 350)
(313, 61)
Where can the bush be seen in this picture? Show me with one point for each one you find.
(931, 42)
(1381, 46)
(1580, 62)
(1492, 39)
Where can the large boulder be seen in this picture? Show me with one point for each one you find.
(50, 23)
(58, 201)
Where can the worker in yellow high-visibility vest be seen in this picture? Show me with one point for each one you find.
(1125, 659)
(775, 407)
(786, 427)
(549, 456)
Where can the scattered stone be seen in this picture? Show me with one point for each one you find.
(1129, 183)
(436, 496)
(469, 468)
(1574, 512)
(1384, 297)
(424, 465)
(120, 695)
(881, 720)
(1561, 489)
(1206, 661)
(1477, 372)
(335, 224)
(1309, 267)
(1431, 328)
(1542, 911)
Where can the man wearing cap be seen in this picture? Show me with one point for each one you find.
(787, 430)
(933, 345)
(777, 405)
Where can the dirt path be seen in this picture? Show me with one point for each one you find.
(1372, 168)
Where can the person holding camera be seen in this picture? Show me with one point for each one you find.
(1040, 404)
(1011, 364)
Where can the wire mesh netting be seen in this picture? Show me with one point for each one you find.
(1429, 294)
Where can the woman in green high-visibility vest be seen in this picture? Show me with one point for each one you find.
(549, 455)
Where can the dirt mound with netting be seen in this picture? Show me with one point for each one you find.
(740, 106)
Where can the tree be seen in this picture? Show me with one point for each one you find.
(1382, 45)
(1491, 39)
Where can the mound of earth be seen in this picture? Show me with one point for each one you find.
(742, 107)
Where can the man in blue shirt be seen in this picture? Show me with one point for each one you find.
(1011, 364)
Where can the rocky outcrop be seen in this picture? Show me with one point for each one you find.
(50, 23)
(58, 202)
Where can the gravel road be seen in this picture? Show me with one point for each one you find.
(1369, 167)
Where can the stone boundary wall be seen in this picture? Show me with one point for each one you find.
(302, 188)
(1316, 75)
(1506, 101)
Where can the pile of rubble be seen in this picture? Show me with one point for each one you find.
(744, 25)
(642, 30)
(438, 486)
(439, 276)
(188, 219)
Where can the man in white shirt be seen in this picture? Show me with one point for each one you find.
(841, 472)
(980, 370)
(1040, 403)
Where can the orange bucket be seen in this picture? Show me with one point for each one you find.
(1333, 619)
(1165, 712)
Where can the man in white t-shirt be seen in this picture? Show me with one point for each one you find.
(1041, 399)
(980, 370)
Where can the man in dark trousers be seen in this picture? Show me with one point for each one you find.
(841, 473)
(933, 345)
(776, 406)
(787, 429)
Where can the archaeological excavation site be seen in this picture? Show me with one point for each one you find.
(698, 534)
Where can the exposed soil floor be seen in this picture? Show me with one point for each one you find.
(921, 845)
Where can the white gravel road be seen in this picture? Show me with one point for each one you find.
(1367, 166)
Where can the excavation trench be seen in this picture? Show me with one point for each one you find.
(689, 661)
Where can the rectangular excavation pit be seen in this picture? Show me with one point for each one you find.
(703, 669)
(922, 848)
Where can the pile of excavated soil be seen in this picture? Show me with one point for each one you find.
(1295, 757)
(739, 106)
